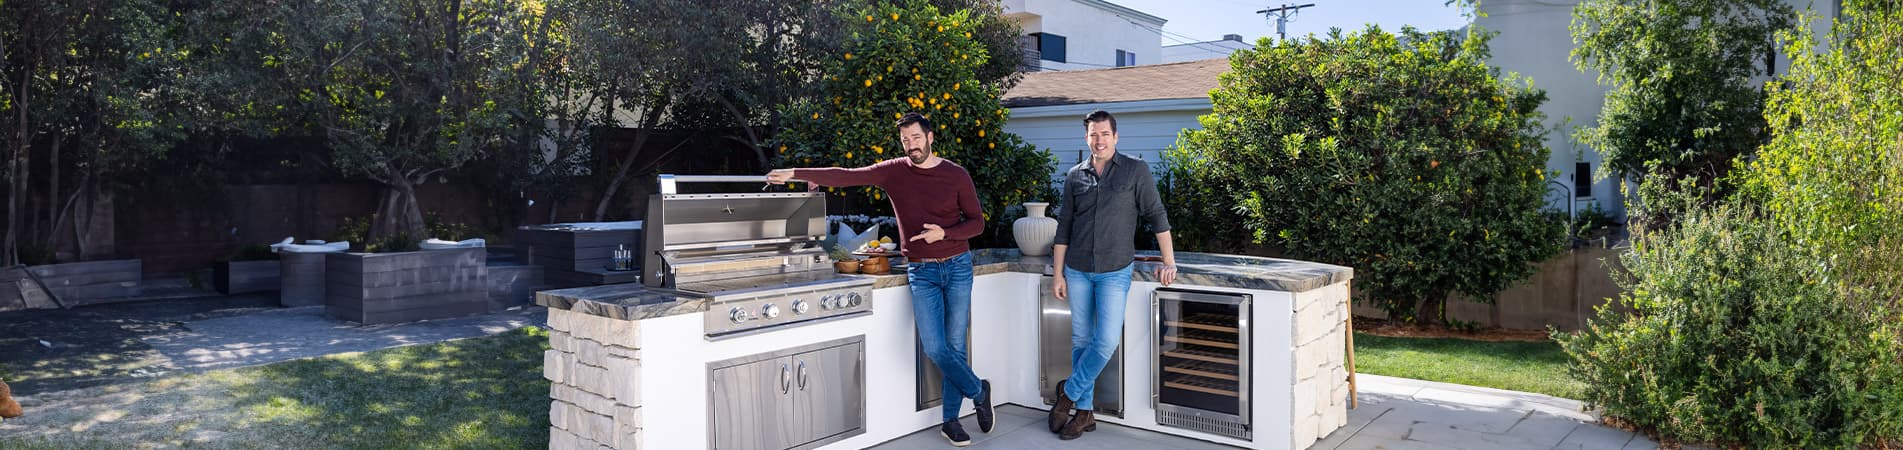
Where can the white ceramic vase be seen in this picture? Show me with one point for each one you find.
(1034, 232)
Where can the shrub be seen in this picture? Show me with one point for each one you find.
(355, 229)
(1727, 332)
(1832, 173)
(1405, 157)
(1592, 220)
(908, 56)
(435, 226)
(1776, 327)
(1685, 99)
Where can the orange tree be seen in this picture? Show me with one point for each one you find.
(1404, 156)
(910, 56)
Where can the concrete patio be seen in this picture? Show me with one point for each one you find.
(1395, 413)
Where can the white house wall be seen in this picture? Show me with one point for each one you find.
(1093, 32)
(1144, 129)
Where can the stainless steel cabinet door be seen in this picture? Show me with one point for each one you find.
(829, 391)
(1054, 353)
(930, 390)
(751, 404)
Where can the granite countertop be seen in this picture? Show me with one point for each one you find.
(634, 301)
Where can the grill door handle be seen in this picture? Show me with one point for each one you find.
(802, 375)
(786, 379)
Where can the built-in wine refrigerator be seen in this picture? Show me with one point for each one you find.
(1201, 368)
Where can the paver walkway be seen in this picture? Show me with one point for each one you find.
(1395, 413)
(1401, 413)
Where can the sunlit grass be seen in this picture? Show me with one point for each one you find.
(1519, 366)
(473, 393)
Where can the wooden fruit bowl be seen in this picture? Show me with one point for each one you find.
(846, 266)
(875, 265)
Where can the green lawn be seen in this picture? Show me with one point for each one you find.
(473, 393)
(1519, 366)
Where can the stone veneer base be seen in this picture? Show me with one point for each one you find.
(1320, 338)
(593, 366)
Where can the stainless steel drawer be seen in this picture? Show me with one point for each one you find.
(797, 398)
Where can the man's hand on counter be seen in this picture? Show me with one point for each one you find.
(1058, 288)
(1166, 273)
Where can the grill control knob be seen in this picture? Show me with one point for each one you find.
(853, 299)
(801, 307)
(739, 315)
(770, 311)
(827, 302)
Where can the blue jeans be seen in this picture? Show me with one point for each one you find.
(1097, 302)
(941, 307)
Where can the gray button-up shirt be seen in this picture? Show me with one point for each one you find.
(1098, 220)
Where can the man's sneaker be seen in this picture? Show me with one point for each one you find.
(955, 432)
(1060, 412)
(987, 417)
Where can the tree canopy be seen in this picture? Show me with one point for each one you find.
(1402, 155)
(1686, 79)
(913, 57)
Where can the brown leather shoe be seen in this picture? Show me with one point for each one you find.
(1083, 421)
(1060, 412)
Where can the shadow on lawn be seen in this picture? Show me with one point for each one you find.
(480, 393)
(55, 350)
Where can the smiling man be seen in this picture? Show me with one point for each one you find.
(1105, 198)
(937, 208)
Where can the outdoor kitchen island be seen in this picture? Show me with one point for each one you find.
(634, 367)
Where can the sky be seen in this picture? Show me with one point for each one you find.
(1208, 20)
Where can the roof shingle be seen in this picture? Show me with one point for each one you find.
(1190, 79)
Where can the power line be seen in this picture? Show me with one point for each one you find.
(1281, 15)
(1179, 38)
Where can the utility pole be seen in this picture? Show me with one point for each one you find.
(1281, 16)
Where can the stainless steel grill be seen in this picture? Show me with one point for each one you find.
(757, 256)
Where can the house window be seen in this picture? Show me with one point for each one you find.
(1582, 180)
(1125, 59)
(1050, 46)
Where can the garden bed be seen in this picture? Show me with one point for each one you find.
(406, 286)
(301, 279)
(244, 277)
(92, 282)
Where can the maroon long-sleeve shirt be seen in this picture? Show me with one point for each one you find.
(942, 195)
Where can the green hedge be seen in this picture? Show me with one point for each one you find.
(1773, 320)
(1402, 155)
(1729, 333)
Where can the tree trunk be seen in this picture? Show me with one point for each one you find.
(641, 135)
(621, 174)
(753, 138)
(82, 228)
(10, 252)
(1430, 311)
(52, 196)
(397, 213)
(59, 219)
